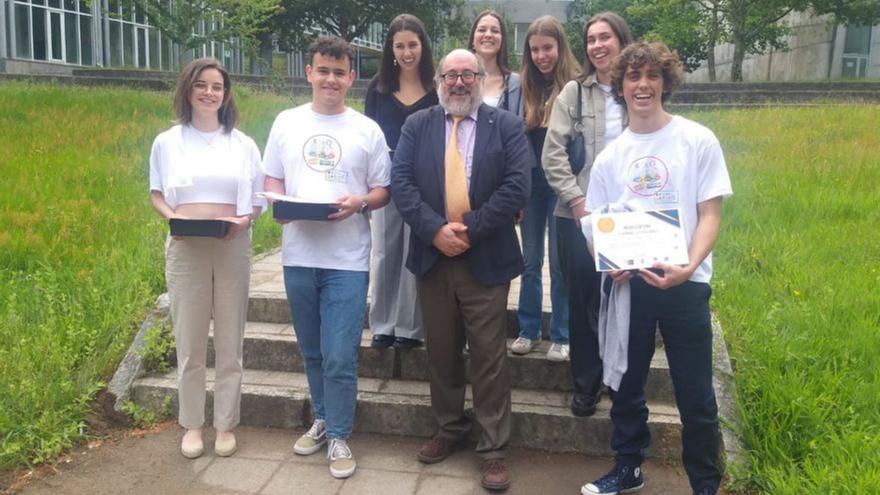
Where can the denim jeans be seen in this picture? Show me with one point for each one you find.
(327, 308)
(539, 215)
(682, 313)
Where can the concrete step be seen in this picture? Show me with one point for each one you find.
(271, 307)
(273, 347)
(541, 419)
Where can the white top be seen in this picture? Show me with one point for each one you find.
(678, 166)
(188, 168)
(613, 115)
(492, 101)
(322, 158)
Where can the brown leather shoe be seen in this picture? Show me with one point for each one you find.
(495, 475)
(437, 449)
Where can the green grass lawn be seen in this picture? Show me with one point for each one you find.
(796, 273)
(796, 289)
(81, 250)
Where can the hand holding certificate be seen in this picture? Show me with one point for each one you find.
(631, 240)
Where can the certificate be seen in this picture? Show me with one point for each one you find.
(638, 239)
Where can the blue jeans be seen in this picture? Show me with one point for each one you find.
(327, 308)
(539, 215)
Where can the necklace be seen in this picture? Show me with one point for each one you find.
(207, 137)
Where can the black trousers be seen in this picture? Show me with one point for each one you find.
(582, 281)
(683, 316)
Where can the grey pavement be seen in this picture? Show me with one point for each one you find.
(265, 464)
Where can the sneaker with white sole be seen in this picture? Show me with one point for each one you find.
(621, 479)
(557, 352)
(523, 345)
(342, 463)
(312, 440)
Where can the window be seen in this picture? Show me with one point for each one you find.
(22, 32)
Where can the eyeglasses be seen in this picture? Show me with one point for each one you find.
(467, 77)
(204, 87)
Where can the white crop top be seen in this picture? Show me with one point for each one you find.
(192, 167)
(214, 175)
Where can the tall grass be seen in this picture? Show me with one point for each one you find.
(796, 289)
(81, 251)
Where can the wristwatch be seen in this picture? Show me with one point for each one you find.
(365, 207)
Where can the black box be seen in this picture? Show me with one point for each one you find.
(199, 228)
(288, 210)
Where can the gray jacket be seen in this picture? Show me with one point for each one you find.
(560, 128)
(511, 97)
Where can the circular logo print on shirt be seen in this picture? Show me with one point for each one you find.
(322, 152)
(647, 176)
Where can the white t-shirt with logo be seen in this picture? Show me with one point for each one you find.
(322, 158)
(678, 166)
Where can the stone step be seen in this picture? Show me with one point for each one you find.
(541, 419)
(272, 307)
(273, 347)
(775, 96)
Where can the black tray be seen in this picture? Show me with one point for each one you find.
(288, 210)
(198, 228)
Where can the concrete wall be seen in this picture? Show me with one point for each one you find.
(524, 12)
(815, 50)
(15, 66)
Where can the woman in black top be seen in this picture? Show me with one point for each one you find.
(404, 85)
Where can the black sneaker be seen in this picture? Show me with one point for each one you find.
(621, 479)
(382, 341)
(584, 405)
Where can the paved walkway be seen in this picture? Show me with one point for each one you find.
(265, 464)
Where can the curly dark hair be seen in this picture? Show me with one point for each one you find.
(331, 46)
(655, 54)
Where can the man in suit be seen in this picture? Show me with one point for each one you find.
(460, 175)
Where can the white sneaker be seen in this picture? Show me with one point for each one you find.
(342, 463)
(523, 345)
(312, 440)
(557, 352)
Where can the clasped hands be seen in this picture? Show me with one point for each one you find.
(452, 239)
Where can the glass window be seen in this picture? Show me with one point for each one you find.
(55, 3)
(38, 2)
(71, 38)
(70, 5)
(56, 34)
(38, 26)
(858, 40)
(85, 31)
(128, 45)
(22, 32)
(155, 49)
(142, 47)
(115, 44)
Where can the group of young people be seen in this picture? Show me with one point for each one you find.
(465, 153)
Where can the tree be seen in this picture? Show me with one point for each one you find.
(297, 21)
(186, 22)
(686, 26)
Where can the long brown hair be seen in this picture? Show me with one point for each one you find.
(228, 113)
(533, 82)
(501, 58)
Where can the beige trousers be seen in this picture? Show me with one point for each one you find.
(208, 277)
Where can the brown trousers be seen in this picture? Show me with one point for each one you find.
(456, 308)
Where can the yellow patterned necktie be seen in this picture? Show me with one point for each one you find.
(457, 202)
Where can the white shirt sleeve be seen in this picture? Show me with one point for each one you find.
(713, 179)
(379, 168)
(257, 175)
(272, 164)
(156, 165)
(597, 195)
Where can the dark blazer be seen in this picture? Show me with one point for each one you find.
(499, 188)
